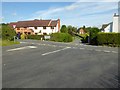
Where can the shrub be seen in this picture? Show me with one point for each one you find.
(23, 36)
(7, 32)
(36, 37)
(61, 37)
(92, 31)
(85, 38)
(111, 39)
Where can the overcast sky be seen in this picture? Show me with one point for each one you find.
(70, 13)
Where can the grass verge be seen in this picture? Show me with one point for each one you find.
(7, 43)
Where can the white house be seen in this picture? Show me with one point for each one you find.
(113, 26)
(36, 27)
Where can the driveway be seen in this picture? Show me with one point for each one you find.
(44, 64)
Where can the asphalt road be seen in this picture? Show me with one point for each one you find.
(43, 64)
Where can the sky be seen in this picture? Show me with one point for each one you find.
(70, 13)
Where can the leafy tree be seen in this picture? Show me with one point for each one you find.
(69, 27)
(64, 29)
(7, 32)
(92, 32)
(74, 29)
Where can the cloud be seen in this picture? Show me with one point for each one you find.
(79, 13)
(51, 11)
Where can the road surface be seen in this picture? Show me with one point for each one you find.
(44, 64)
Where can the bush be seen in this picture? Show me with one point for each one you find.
(7, 32)
(111, 39)
(92, 31)
(36, 37)
(85, 38)
(61, 37)
(23, 36)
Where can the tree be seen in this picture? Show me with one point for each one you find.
(7, 32)
(93, 34)
(74, 29)
(64, 29)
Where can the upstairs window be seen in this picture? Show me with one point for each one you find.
(18, 28)
(35, 27)
(44, 27)
(52, 27)
(25, 27)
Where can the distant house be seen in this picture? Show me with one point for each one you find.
(113, 26)
(81, 31)
(36, 27)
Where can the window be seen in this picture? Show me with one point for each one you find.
(25, 32)
(44, 27)
(44, 33)
(52, 27)
(29, 33)
(18, 28)
(35, 27)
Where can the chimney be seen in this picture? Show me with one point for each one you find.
(36, 19)
(114, 14)
(115, 23)
(58, 21)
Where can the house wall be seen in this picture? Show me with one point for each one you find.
(81, 31)
(48, 30)
(115, 24)
(107, 29)
(23, 30)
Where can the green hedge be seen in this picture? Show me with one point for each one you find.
(112, 39)
(61, 37)
(36, 37)
(7, 32)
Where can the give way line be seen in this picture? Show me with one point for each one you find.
(55, 51)
(26, 47)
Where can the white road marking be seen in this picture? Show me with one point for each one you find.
(23, 42)
(74, 47)
(26, 47)
(114, 52)
(106, 51)
(61, 46)
(55, 51)
(98, 50)
(82, 48)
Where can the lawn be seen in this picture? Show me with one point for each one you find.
(7, 43)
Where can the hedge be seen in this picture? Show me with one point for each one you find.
(61, 37)
(108, 39)
(36, 37)
(7, 32)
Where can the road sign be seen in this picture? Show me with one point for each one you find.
(47, 37)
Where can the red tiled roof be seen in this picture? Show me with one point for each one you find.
(34, 23)
(53, 23)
